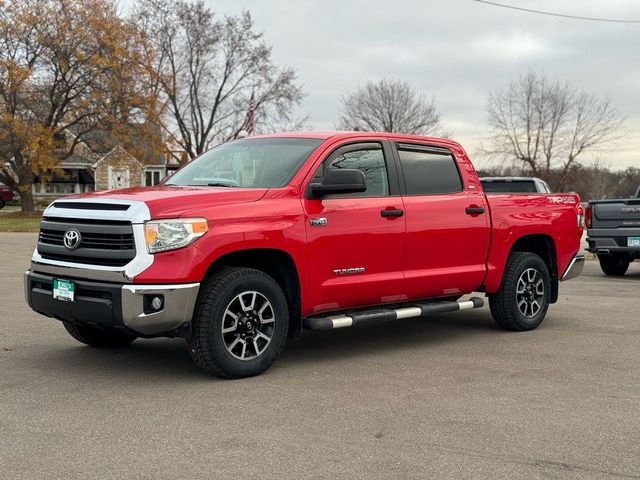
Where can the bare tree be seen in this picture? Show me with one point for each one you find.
(208, 70)
(546, 124)
(389, 106)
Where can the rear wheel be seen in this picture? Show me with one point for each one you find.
(98, 338)
(2, 204)
(522, 300)
(240, 323)
(614, 265)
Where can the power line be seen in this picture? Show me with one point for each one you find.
(552, 14)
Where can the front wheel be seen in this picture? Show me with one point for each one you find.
(614, 265)
(522, 300)
(240, 323)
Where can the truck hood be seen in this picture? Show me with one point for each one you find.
(172, 201)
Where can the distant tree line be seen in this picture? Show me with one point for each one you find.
(590, 182)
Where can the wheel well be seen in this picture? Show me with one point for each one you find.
(541, 245)
(277, 264)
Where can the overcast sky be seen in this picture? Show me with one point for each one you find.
(456, 50)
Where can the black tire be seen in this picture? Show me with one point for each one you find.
(98, 338)
(212, 350)
(2, 204)
(614, 265)
(506, 304)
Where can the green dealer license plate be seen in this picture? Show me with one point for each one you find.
(63, 290)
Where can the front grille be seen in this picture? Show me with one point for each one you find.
(91, 240)
(102, 242)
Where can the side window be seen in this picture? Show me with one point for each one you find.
(429, 172)
(371, 163)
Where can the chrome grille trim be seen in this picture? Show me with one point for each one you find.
(136, 214)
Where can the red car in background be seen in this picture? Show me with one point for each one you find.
(6, 194)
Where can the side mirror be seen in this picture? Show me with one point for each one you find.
(339, 181)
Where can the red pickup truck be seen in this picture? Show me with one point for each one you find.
(261, 237)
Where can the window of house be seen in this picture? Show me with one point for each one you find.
(152, 177)
(429, 172)
(59, 188)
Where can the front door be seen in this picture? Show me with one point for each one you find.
(355, 242)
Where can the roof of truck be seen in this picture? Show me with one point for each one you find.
(325, 135)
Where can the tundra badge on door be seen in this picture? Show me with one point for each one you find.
(318, 222)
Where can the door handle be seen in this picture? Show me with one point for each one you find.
(391, 213)
(474, 210)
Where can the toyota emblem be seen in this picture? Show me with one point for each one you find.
(71, 239)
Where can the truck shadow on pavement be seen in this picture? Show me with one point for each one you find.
(633, 274)
(378, 339)
(157, 360)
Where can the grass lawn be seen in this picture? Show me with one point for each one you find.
(16, 221)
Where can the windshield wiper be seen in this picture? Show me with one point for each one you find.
(220, 184)
(212, 184)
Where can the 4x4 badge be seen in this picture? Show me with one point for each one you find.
(318, 222)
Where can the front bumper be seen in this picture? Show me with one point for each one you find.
(574, 269)
(115, 305)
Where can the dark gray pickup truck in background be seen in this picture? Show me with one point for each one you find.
(613, 232)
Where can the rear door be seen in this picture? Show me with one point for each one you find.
(448, 228)
(355, 242)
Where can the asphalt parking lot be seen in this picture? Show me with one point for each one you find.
(445, 397)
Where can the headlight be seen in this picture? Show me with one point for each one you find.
(163, 235)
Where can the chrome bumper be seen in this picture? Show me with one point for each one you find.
(574, 269)
(112, 305)
(179, 303)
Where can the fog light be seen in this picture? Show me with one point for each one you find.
(156, 303)
(152, 303)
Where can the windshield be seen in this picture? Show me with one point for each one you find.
(249, 163)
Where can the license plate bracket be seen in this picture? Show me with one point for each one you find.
(64, 290)
(633, 242)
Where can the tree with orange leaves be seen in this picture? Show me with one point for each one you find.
(66, 67)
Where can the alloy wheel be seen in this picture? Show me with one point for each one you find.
(247, 325)
(530, 292)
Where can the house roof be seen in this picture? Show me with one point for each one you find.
(144, 141)
(117, 150)
(75, 161)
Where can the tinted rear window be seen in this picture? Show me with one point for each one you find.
(518, 186)
(429, 173)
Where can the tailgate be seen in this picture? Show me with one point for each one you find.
(611, 214)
